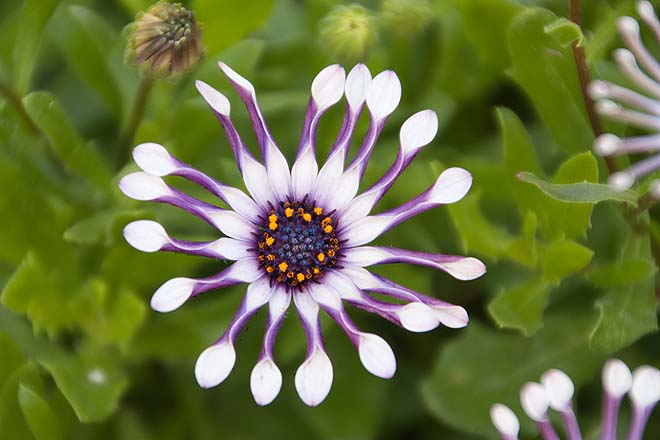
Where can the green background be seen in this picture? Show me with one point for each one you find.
(568, 284)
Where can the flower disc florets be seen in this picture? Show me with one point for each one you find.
(297, 243)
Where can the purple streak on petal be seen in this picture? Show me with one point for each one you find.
(570, 423)
(611, 405)
(309, 318)
(343, 142)
(631, 38)
(546, 430)
(639, 418)
(252, 301)
(276, 315)
(245, 270)
(237, 146)
(644, 167)
(190, 204)
(308, 134)
(197, 248)
(364, 153)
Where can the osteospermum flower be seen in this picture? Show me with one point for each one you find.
(645, 110)
(556, 391)
(301, 233)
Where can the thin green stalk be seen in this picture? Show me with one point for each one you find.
(139, 104)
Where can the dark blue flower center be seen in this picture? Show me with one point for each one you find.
(297, 243)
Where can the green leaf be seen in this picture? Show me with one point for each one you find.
(75, 154)
(521, 307)
(32, 20)
(40, 417)
(484, 367)
(562, 258)
(580, 192)
(627, 312)
(622, 273)
(565, 31)
(225, 24)
(546, 72)
(13, 424)
(85, 39)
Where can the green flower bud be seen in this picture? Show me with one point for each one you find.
(165, 40)
(405, 17)
(348, 32)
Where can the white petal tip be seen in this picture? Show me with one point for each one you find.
(237, 79)
(218, 102)
(265, 382)
(504, 420)
(418, 131)
(559, 389)
(645, 10)
(598, 90)
(607, 107)
(145, 235)
(314, 378)
(377, 356)
(171, 295)
(328, 86)
(143, 186)
(357, 85)
(628, 25)
(384, 94)
(624, 57)
(154, 159)
(621, 180)
(617, 378)
(607, 144)
(645, 390)
(418, 317)
(214, 364)
(465, 269)
(452, 316)
(534, 400)
(452, 185)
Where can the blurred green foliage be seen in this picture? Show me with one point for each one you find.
(571, 264)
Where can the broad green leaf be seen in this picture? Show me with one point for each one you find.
(627, 312)
(40, 417)
(546, 72)
(580, 192)
(566, 32)
(32, 20)
(13, 424)
(484, 367)
(85, 39)
(12, 358)
(564, 257)
(486, 23)
(524, 250)
(224, 23)
(622, 273)
(521, 307)
(77, 155)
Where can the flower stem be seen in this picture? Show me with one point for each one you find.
(139, 104)
(585, 78)
(17, 104)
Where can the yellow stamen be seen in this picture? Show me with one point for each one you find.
(316, 271)
(326, 221)
(270, 241)
(288, 212)
(270, 257)
(289, 274)
(321, 257)
(283, 266)
(301, 211)
(269, 269)
(272, 226)
(272, 218)
(300, 277)
(308, 275)
(331, 253)
(318, 211)
(307, 217)
(328, 229)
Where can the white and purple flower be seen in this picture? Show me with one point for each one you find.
(301, 233)
(556, 391)
(643, 109)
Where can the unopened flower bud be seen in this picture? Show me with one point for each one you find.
(165, 40)
(348, 32)
(405, 17)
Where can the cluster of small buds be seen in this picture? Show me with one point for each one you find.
(642, 111)
(165, 40)
(556, 391)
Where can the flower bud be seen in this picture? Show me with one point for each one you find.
(405, 17)
(348, 32)
(165, 40)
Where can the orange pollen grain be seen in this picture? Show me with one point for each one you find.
(272, 218)
(283, 266)
(328, 229)
(272, 226)
(288, 212)
(318, 211)
(320, 257)
(270, 257)
(300, 277)
(270, 241)
(307, 217)
(269, 269)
